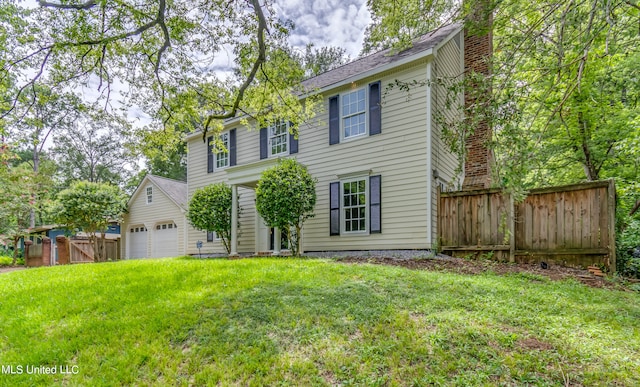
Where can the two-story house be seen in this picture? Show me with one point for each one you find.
(376, 152)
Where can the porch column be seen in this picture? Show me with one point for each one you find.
(234, 221)
(276, 241)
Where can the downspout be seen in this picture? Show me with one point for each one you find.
(429, 158)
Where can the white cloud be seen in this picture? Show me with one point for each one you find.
(326, 22)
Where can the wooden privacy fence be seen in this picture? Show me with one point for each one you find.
(80, 250)
(569, 225)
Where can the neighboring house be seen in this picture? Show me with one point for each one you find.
(155, 225)
(376, 152)
(52, 231)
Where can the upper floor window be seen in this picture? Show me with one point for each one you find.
(149, 195)
(221, 151)
(278, 138)
(354, 114)
(222, 156)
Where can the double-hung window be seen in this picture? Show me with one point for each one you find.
(149, 195)
(221, 151)
(222, 156)
(354, 114)
(278, 138)
(354, 205)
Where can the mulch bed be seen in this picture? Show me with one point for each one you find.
(472, 266)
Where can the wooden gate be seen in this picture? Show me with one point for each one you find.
(81, 250)
(570, 225)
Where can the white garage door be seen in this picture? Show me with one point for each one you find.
(165, 240)
(138, 242)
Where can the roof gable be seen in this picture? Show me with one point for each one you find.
(175, 190)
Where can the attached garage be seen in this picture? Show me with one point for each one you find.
(165, 240)
(138, 242)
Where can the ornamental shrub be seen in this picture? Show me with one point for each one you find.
(210, 211)
(286, 197)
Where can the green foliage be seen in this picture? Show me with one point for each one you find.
(316, 61)
(18, 186)
(89, 207)
(286, 197)
(210, 210)
(628, 250)
(94, 150)
(165, 51)
(396, 23)
(268, 322)
(563, 96)
(6, 261)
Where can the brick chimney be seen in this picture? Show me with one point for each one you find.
(478, 49)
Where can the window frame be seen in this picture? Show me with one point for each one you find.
(365, 112)
(222, 155)
(343, 208)
(286, 136)
(149, 192)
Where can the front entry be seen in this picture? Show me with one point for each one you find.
(266, 238)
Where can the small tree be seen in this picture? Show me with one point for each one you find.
(210, 210)
(90, 207)
(17, 187)
(285, 198)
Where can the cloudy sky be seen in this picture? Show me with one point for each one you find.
(339, 23)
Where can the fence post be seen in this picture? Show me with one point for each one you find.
(46, 251)
(438, 244)
(63, 250)
(611, 203)
(512, 229)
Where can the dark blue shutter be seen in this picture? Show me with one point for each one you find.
(293, 141)
(232, 148)
(209, 154)
(264, 153)
(375, 224)
(375, 117)
(334, 206)
(334, 121)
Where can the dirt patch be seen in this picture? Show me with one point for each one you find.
(472, 266)
(9, 269)
(531, 343)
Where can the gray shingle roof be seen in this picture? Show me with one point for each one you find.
(174, 189)
(379, 59)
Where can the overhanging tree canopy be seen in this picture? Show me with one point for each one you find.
(159, 49)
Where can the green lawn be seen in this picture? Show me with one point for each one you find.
(310, 322)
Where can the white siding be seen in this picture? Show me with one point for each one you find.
(398, 154)
(447, 66)
(161, 210)
(248, 145)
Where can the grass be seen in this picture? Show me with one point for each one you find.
(310, 322)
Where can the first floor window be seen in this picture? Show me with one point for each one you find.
(211, 236)
(278, 138)
(354, 205)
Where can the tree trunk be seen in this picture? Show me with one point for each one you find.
(36, 168)
(16, 240)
